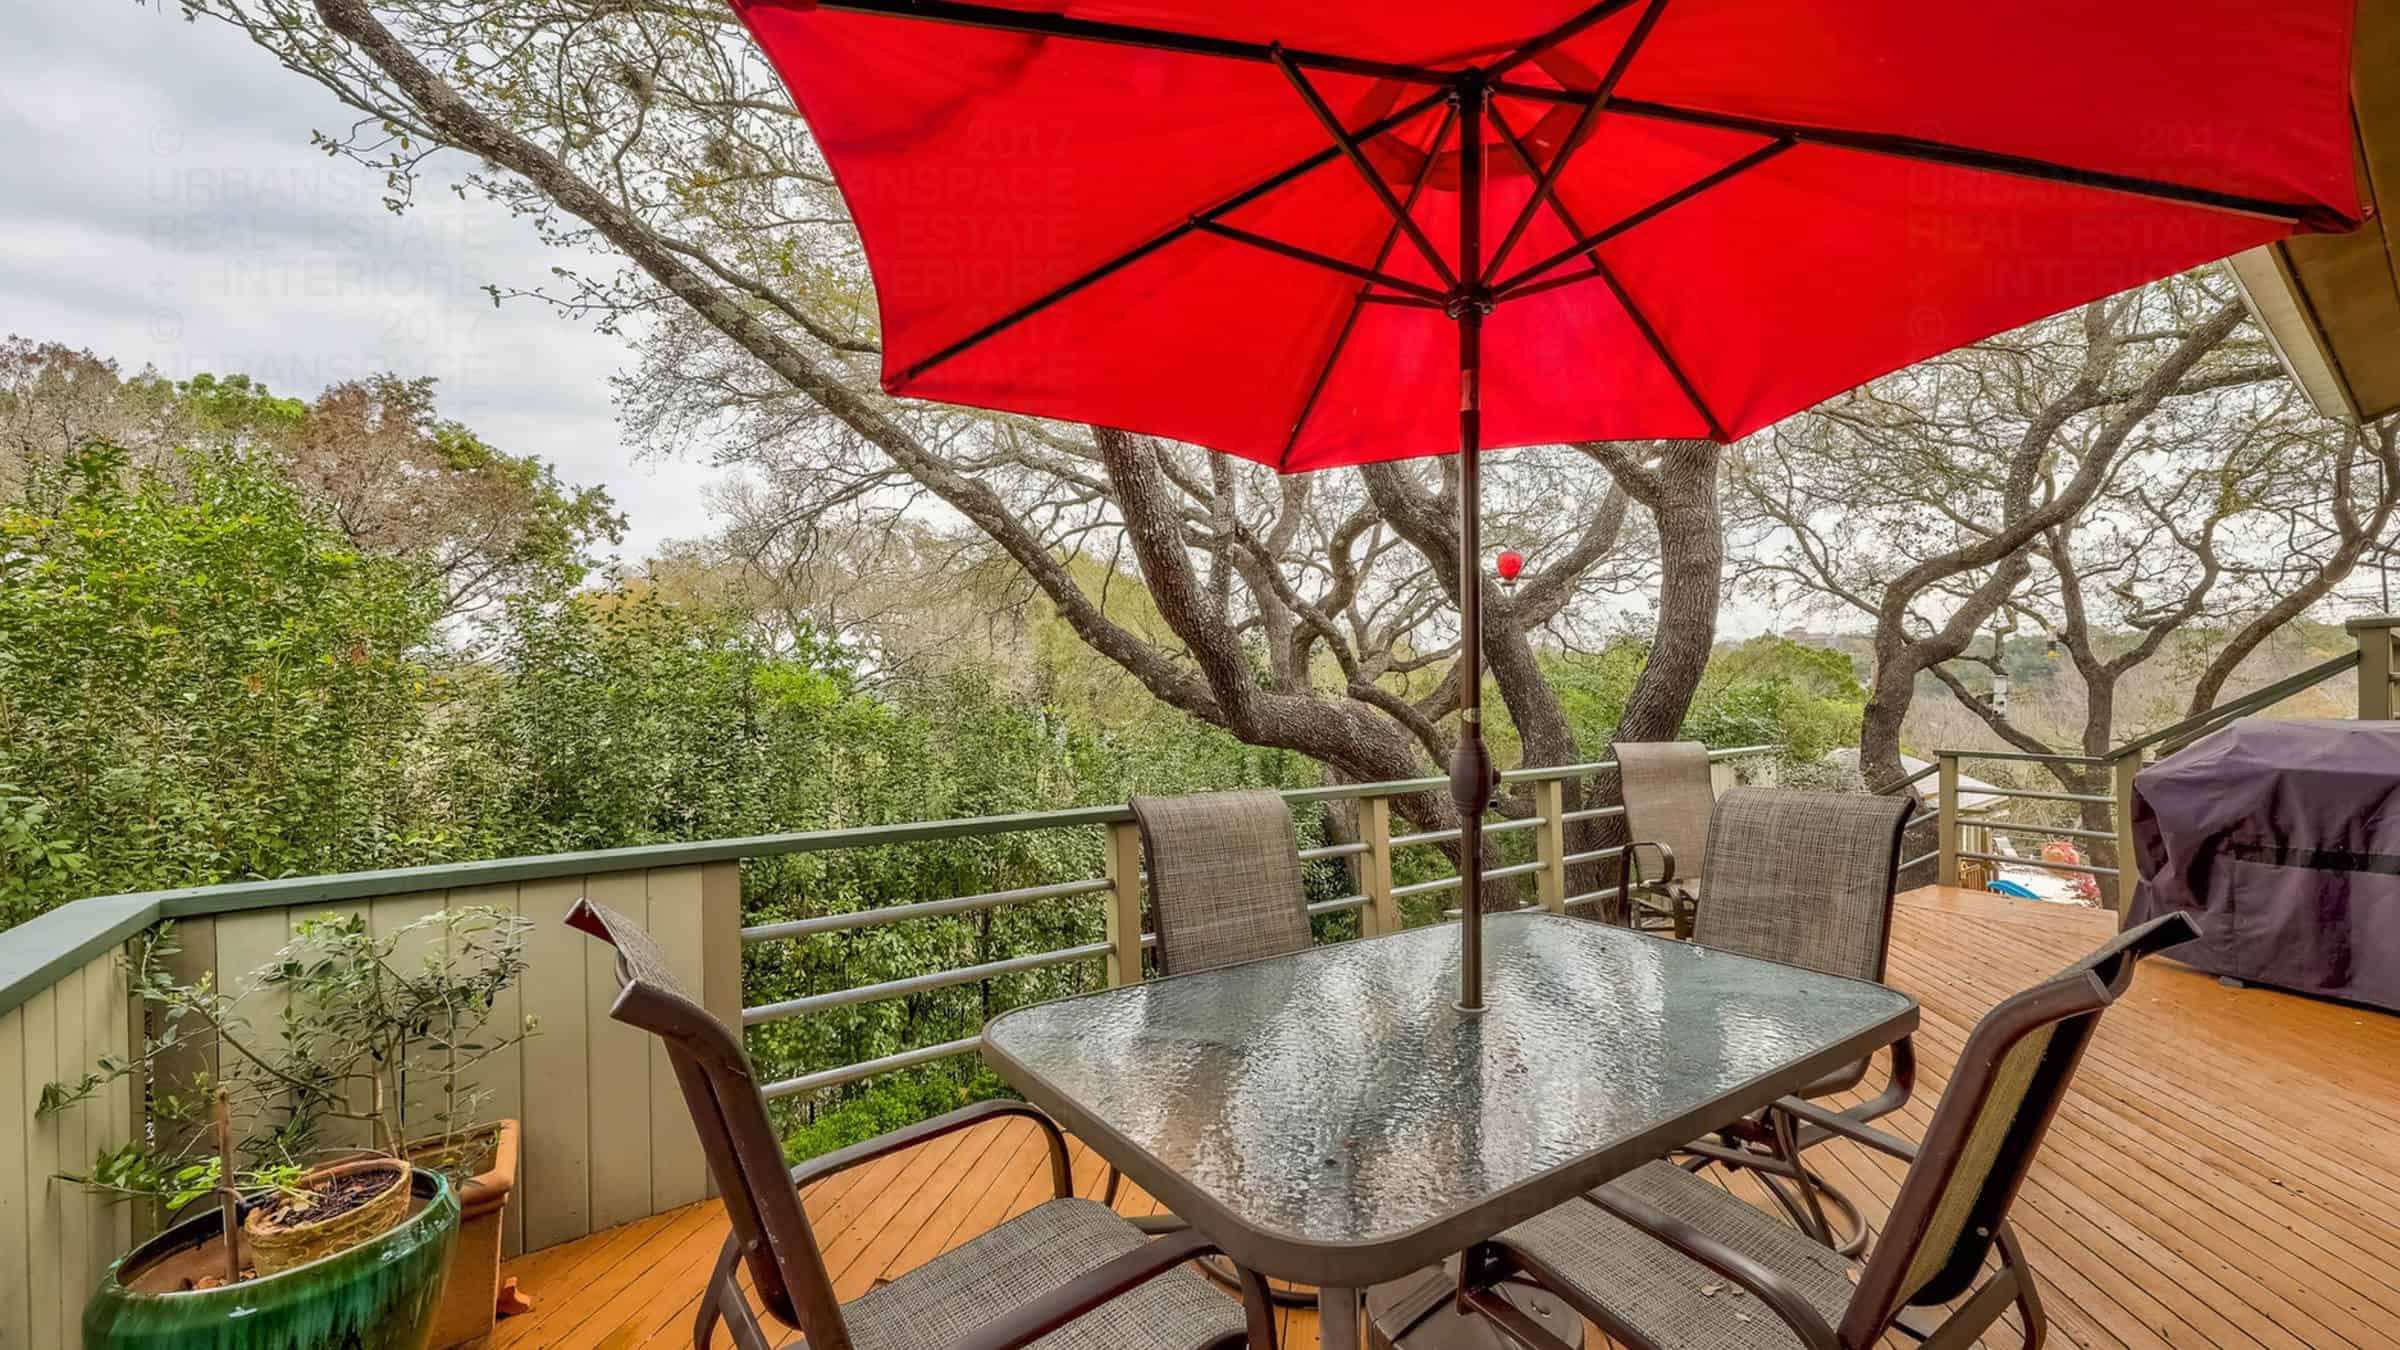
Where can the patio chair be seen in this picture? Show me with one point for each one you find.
(1806, 879)
(1224, 878)
(1068, 1273)
(1668, 796)
(1225, 887)
(1655, 1257)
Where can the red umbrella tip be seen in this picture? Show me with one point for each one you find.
(1510, 563)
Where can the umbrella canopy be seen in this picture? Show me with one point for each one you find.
(1339, 231)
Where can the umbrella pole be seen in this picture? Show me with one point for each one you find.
(1471, 777)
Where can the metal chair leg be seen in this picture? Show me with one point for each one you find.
(722, 1298)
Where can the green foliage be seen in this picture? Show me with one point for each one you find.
(1767, 691)
(1773, 691)
(198, 682)
(902, 1099)
(373, 1038)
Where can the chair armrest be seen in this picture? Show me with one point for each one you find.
(1842, 1125)
(1032, 1321)
(868, 1150)
(1666, 862)
(1777, 1294)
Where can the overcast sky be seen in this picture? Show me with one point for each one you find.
(160, 204)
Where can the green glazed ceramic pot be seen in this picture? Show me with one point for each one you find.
(380, 1295)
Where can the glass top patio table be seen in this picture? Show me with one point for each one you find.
(1331, 1117)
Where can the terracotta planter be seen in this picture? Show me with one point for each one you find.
(379, 1295)
(474, 1285)
(278, 1244)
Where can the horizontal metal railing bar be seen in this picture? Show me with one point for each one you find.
(1590, 813)
(1921, 859)
(1920, 818)
(918, 984)
(2037, 862)
(1981, 791)
(1451, 835)
(1910, 781)
(2248, 703)
(1335, 906)
(2069, 831)
(851, 1073)
(1515, 870)
(1594, 855)
(922, 909)
(1424, 887)
(2024, 757)
(49, 945)
(1332, 851)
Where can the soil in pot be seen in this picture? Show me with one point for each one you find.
(347, 1204)
(202, 1265)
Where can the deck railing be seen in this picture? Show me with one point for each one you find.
(2108, 779)
(605, 1136)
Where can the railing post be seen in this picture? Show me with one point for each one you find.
(1550, 843)
(1945, 823)
(2375, 665)
(1382, 912)
(2120, 814)
(1124, 903)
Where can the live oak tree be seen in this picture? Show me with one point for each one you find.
(2105, 480)
(654, 134)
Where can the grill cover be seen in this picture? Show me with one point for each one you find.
(2285, 838)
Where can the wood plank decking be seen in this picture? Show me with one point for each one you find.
(2222, 1174)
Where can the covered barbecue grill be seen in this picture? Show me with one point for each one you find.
(2285, 837)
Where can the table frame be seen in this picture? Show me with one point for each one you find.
(1342, 1270)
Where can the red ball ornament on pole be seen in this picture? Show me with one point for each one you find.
(1511, 565)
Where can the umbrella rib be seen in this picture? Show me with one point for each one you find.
(1598, 13)
(1546, 179)
(1358, 160)
(1042, 24)
(1589, 242)
(1366, 295)
(1641, 322)
(1989, 161)
(1658, 348)
(1311, 256)
(1261, 188)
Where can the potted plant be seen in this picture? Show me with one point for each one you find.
(311, 1242)
(420, 1031)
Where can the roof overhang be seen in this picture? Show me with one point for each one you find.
(2331, 303)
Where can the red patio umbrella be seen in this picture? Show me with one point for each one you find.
(1276, 229)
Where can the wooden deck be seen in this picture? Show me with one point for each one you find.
(2221, 1176)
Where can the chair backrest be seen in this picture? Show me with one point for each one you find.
(1804, 878)
(744, 1156)
(1224, 878)
(2010, 1078)
(1668, 796)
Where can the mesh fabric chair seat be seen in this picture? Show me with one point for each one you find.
(1225, 881)
(1656, 1258)
(1066, 1275)
(1670, 1298)
(952, 1296)
(1806, 879)
(1668, 795)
